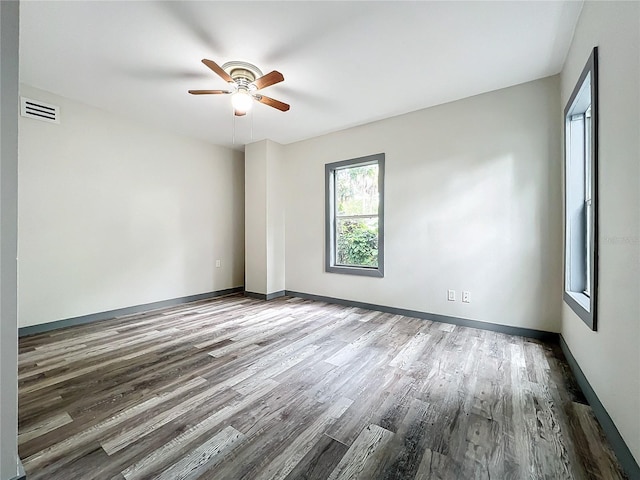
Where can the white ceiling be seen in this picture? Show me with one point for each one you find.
(344, 63)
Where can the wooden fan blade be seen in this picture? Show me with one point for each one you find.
(268, 80)
(272, 102)
(217, 69)
(209, 92)
(238, 113)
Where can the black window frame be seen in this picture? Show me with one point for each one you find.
(330, 216)
(580, 293)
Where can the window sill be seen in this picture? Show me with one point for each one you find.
(362, 271)
(581, 305)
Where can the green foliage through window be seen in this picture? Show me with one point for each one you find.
(357, 243)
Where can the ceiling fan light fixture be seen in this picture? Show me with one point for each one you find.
(241, 100)
(245, 84)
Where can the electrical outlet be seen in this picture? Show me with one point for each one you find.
(466, 297)
(217, 263)
(451, 295)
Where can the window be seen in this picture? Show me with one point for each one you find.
(354, 241)
(580, 181)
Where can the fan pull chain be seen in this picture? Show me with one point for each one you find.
(233, 132)
(251, 141)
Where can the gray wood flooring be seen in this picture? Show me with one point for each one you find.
(237, 388)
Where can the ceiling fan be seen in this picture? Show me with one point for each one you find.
(245, 80)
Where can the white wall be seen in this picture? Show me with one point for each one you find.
(265, 217)
(275, 218)
(472, 202)
(115, 214)
(610, 357)
(255, 201)
(9, 13)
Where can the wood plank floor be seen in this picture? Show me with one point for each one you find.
(237, 388)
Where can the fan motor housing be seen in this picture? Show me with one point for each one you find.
(243, 73)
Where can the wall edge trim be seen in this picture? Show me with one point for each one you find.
(463, 322)
(120, 312)
(21, 473)
(619, 446)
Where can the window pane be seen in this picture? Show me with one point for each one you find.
(357, 241)
(357, 190)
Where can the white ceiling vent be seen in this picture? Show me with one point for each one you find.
(39, 110)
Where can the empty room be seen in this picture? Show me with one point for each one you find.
(320, 240)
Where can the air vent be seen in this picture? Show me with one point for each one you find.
(39, 110)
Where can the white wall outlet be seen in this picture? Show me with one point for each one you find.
(466, 297)
(451, 295)
(217, 263)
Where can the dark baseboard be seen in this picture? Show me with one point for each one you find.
(257, 296)
(271, 296)
(262, 296)
(507, 329)
(96, 317)
(620, 448)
